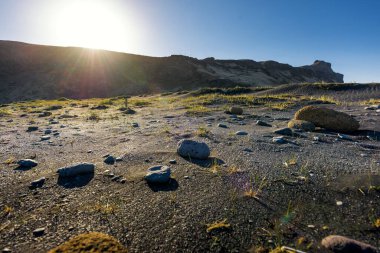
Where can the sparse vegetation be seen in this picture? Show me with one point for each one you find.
(4, 112)
(218, 225)
(94, 116)
(202, 132)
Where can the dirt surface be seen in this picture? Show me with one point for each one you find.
(261, 193)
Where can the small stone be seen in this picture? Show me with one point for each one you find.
(284, 131)
(45, 138)
(123, 180)
(48, 131)
(77, 169)
(173, 161)
(241, 133)
(89, 151)
(115, 178)
(236, 110)
(135, 124)
(339, 203)
(38, 183)
(344, 137)
(262, 123)
(316, 138)
(158, 174)
(222, 125)
(279, 140)
(32, 128)
(193, 149)
(27, 163)
(186, 177)
(38, 232)
(119, 159)
(7, 250)
(110, 160)
(342, 244)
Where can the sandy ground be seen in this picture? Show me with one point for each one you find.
(328, 187)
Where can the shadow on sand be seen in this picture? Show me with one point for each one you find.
(74, 182)
(205, 163)
(171, 186)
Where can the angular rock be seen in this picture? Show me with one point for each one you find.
(193, 149)
(284, 131)
(328, 118)
(158, 174)
(38, 183)
(77, 169)
(27, 163)
(262, 123)
(341, 244)
(110, 160)
(302, 125)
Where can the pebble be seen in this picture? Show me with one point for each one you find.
(27, 163)
(222, 125)
(279, 140)
(38, 183)
(173, 161)
(45, 138)
(32, 128)
(48, 131)
(135, 124)
(241, 133)
(119, 159)
(284, 131)
(6, 250)
(158, 174)
(262, 123)
(38, 232)
(77, 169)
(110, 160)
(339, 203)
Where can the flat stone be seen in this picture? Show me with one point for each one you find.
(262, 123)
(241, 133)
(45, 138)
(77, 169)
(27, 163)
(158, 174)
(32, 128)
(38, 232)
(222, 125)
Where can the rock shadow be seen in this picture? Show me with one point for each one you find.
(205, 163)
(75, 181)
(22, 168)
(374, 135)
(172, 185)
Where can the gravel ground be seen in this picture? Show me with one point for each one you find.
(327, 186)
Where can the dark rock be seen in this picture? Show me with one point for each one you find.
(284, 131)
(27, 163)
(38, 232)
(77, 169)
(110, 160)
(38, 183)
(32, 128)
(193, 149)
(262, 123)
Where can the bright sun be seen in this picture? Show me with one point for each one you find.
(93, 24)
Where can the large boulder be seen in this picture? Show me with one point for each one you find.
(302, 125)
(193, 149)
(90, 242)
(341, 244)
(328, 118)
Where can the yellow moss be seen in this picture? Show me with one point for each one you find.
(93, 242)
(218, 225)
(377, 223)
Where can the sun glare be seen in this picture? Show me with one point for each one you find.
(92, 24)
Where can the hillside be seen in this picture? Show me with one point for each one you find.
(45, 72)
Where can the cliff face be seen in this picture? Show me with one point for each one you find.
(44, 72)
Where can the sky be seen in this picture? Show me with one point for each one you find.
(343, 32)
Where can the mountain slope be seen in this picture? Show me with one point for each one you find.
(33, 71)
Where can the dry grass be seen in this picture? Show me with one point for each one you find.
(218, 225)
(202, 132)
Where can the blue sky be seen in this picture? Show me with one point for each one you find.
(345, 32)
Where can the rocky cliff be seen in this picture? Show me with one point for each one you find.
(44, 72)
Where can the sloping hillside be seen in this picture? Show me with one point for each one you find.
(44, 72)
